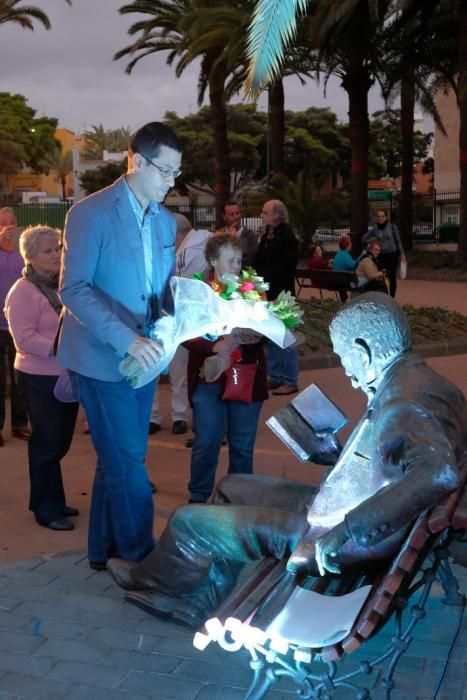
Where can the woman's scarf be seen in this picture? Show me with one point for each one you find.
(48, 286)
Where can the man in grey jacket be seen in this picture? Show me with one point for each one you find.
(402, 458)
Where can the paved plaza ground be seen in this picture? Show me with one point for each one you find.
(66, 633)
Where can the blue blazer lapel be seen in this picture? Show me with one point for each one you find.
(130, 230)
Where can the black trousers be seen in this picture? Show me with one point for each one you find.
(52, 427)
(389, 262)
(19, 416)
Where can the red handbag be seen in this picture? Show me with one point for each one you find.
(239, 382)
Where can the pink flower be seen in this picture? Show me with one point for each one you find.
(247, 287)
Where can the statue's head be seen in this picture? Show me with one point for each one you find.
(368, 334)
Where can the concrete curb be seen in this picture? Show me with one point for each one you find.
(323, 360)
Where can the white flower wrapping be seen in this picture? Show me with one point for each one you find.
(200, 311)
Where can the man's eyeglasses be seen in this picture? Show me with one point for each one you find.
(166, 173)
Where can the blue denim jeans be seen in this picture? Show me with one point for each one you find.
(213, 417)
(282, 363)
(122, 512)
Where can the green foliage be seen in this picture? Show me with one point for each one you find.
(386, 144)
(94, 180)
(427, 323)
(11, 11)
(246, 136)
(306, 207)
(25, 141)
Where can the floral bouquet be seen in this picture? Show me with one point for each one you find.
(203, 310)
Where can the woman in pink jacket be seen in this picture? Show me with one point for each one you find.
(32, 309)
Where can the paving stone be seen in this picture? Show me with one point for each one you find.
(161, 687)
(11, 619)
(25, 663)
(42, 578)
(117, 622)
(213, 673)
(19, 641)
(70, 650)
(57, 628)
(25, 591)
(139, 661)
(8, 602)
(124, 640)
(59, 611)
(24, 686)
(90, 602)
(84, 692)
(93, 585)
(90, 674)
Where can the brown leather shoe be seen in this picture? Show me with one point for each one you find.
(273, 384)
(21, 433)
(285, 390)
(120, 570)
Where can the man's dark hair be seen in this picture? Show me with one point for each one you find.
(230, 203)
(150, 137)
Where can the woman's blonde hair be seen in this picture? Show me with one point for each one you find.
(30, 237)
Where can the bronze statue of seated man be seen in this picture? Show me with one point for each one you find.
(401, 459)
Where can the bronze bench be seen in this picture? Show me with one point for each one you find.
(338, 282)
(241, 621)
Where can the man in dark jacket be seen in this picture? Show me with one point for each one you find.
(402, 458)
(276, 260)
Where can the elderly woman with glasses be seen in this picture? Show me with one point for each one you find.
(32, 309)
(215, 411)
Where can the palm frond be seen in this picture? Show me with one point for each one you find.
(273, 27)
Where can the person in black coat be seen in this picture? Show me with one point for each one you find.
(276, 260)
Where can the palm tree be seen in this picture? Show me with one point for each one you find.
(170, 29)
(462, 98)
(345, 34)
(62, 164)
(420, 52)
(24, 15)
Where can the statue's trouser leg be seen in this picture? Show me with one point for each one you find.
(268, 491)
(199, 541)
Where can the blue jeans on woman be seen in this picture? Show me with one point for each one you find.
(282, 363)
(121, 517)
(213, 418)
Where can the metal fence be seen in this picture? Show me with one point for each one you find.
(435, 215)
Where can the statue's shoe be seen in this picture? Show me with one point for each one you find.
(163, 606)
(120, 570)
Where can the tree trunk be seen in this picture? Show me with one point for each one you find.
(462, 91)
(63, 183)
(276, 126)
(221, 142)
(407, 139)
(357, 84)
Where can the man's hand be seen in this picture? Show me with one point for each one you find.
(146, 351)
(327, 548)
(9, 238)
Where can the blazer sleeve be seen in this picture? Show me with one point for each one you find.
(82, 250)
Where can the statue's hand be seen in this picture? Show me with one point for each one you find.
(302, 560)
(327, 548)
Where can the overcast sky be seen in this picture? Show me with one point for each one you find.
(68, 72)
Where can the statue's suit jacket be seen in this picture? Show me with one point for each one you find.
(402, 458)
(103, 281)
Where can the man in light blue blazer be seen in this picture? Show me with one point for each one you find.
(119, 255)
